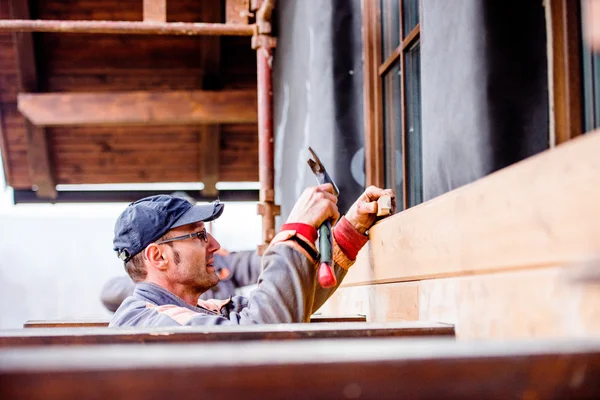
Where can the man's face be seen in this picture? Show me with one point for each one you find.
(592, 23)
(192, 260)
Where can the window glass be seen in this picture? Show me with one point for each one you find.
(390, 27)
(410, 16)
(392, 130)
(414, 167)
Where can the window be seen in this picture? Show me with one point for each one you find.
(391, 42)
(590, 83)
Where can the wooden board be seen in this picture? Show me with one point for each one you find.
(38, 152)
(155, 10)
(194, 334)
(140, 108)
(539, 303)
(540, 212)
(316, 369)
(320, 318)
(108, 63)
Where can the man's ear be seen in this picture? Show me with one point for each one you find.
(155, 256)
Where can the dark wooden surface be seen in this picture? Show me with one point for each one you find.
(98, 323)
(104, 323)
(181, 107)
(189, 334)
(315, 369)
(76, 63)
(40, 169)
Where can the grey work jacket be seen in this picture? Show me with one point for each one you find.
(287, 292)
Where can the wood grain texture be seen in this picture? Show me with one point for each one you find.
(536, 213)
(540, 303)
(566, 93)
(237, 11)
(155, 10)
(108, 63)
(38, 151)
(210, 149)
(317, 369)
(103, 323)
(189, 334)
(140, 108)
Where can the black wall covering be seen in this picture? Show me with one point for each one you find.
(484, 88)
(318, 96)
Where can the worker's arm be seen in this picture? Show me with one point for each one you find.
(350, 235)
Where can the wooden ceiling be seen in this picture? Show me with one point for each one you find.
(125, 108)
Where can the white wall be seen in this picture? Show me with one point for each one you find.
(54, 259)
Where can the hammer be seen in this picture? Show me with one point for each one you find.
(326, 275)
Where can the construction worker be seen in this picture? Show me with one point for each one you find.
(168, 253)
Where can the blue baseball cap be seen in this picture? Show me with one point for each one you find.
(148, 219)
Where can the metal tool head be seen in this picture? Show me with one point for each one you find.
(315, 163)
(321, 174)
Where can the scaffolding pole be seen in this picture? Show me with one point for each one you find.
(127, 27)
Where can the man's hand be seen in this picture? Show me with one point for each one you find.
(316, 205)
(363, 213)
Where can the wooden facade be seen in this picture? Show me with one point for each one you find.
(62, 64)
(510, 255)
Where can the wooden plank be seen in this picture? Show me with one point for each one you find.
(210, 150)
(536, 213)
(565, 92)
(125, 27)
(546, 303)
(140, 108)
(320, 318)
(317, 369)
(104, 323)
(379, 303)
(237, 11)
(155, 11)
(38, 155)
(100, 323)
(196, 334)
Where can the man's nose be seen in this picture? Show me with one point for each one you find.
(213, 244)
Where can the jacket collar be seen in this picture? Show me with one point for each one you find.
(159, 296)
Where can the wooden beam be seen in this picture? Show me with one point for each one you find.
(540, 212)
(536, 303)
(210, 150)
(237, 11)
(4, 148)
(140, 108)
(155, 10)
(126, 27)
(210, 135)
(103, 323)
(37, 145)
(319, 369)
(196, 334)
(566, 91)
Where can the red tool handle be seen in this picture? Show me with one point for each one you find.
(326, 276)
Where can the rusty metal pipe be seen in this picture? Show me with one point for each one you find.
(263, 43)
(126, 27)
(266, 171)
